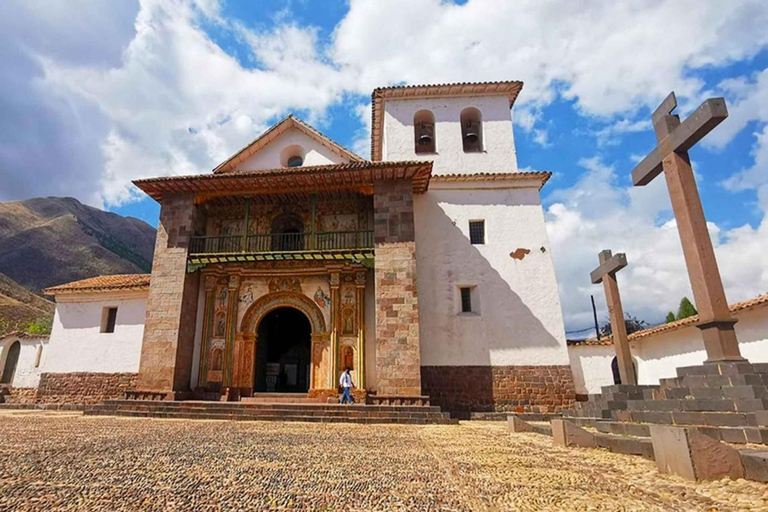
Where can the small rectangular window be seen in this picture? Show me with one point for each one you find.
(108, 318)
(466, 299)
(477, 232)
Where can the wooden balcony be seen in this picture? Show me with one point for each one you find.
(332, 245)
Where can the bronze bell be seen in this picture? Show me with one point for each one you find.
(472, 134)
(425, 135)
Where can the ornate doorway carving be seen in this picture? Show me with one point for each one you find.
(246, 348)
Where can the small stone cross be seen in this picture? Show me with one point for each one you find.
(606, 273)
(675, 138)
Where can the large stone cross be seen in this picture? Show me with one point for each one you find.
(675, 138)
(606, 273)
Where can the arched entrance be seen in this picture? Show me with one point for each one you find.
(283, 352)
(11, 361)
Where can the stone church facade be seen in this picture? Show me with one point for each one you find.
(425, 270)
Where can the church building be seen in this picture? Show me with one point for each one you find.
(426, 270)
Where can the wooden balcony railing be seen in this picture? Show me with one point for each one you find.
(282, 243)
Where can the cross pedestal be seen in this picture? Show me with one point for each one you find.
(606, 273)
(675, 138)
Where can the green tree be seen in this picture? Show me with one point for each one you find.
(686, 309)
(671, 317)
(632, 323)
(40, 326)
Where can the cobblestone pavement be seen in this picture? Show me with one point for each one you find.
(65, 461)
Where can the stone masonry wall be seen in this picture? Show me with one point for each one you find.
(397, 309)
(9, 395)
(166, 352)
(83, 387)
(464, 389)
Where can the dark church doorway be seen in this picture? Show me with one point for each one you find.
(615, 370)
(10, 363)
(283, 352)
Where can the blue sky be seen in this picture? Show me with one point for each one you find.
(93, 95)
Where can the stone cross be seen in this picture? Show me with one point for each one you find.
(606, 273)
(675, 138)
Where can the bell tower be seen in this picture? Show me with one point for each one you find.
(462, 129)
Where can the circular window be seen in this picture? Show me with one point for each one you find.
(295, 161)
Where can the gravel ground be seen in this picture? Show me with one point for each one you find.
(56, 461)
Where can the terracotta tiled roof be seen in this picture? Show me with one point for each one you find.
(485, 176)
(102, 284)
(281, 127)
(510, 88)
(671, 326)
(315, 178)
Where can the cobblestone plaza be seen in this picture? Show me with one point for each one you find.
(64, 461)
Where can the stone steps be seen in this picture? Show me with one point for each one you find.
(728, 434)
(284, 398)
(315, 412)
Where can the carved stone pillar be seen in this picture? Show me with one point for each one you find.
(321, 361)
(360, 363)
(244, 359)
(335, 317)
(230, 369)
(210, 292)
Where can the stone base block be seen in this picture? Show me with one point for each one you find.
(693, 455)
(516, 424)
(464, 390)
(566, 433)
(83, 387)
(755, 464)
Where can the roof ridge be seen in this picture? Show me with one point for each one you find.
(301, 125)
(671, 326)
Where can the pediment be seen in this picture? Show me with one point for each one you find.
(290, 137)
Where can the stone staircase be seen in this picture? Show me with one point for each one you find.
(728, 402)
(282, 398)
(265, 411)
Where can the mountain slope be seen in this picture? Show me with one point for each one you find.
(19, 306)
(49, 241)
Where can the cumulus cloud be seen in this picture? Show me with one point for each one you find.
(598, 213)
(131, 91)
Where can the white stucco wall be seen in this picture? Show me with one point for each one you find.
(498, 141)
(77, 345)
(520, 320)
(658, 356)
(27, 374)
(269, 156)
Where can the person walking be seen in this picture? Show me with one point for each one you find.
(345, 381)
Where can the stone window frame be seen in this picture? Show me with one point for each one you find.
(474, 225)
(474, 300)
(108, 322)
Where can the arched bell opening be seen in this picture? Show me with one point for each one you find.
(471, 130)
(424, 132)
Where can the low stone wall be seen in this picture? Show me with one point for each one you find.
(83, 387)
(462, 390)
(9, 395)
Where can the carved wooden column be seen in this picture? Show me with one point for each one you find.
(335, 316)
(234, 292)
(360, 289)
(244, 358)
(205, 339)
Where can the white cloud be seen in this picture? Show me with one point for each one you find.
(597, 213)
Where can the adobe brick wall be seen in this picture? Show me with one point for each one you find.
(166, 352)
(83, 387)
(397, 309)
(464, 389)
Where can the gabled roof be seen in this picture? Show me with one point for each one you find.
(401, 92)
(541, 176)
(116, 282)
(278, 129)
(671, 326)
